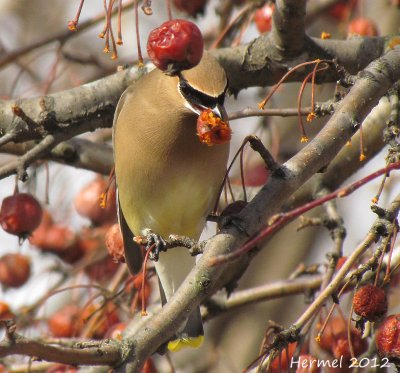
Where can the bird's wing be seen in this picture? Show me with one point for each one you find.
(120, 104)
(133, 252)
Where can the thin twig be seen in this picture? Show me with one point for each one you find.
(20, 164)
(61, 37)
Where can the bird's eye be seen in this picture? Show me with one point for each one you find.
(197, 98)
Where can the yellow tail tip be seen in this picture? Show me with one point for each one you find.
(179, 344)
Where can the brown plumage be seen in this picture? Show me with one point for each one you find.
(167, 180)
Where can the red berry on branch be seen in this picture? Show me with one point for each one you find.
(341, 10)
(175, 45)
(192, 7)
(108, 316)
(282, 363)
(370, 302)
(15, 270)
(334, 339)
(66, 322)
(341, 347)
(20, 214)
(255, 174)
(263, 18)
(61, 368)
(5, 312)
(115, 331)
(340, 262)
(115, 243)
(88, 202)
(387, 338)
(149, 366)
(362, 26)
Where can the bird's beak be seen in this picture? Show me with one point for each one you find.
(220, 111)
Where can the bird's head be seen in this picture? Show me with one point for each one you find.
(204, 87)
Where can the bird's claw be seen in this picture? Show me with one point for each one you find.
(155, 243)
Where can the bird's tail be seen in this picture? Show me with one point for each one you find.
(172, 268)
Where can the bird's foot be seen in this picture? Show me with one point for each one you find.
(155, 243)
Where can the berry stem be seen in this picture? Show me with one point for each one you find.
(72, 24)
(242, 175)
(169, 10)
(140, 57)
(119, 40)
(146, 258)
(262, 104)
(351, 348)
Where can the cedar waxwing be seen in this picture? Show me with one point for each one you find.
(167, 181)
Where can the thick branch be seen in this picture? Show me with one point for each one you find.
(288, 30)
(279, 289)
(70, 112)
(76, 152)
(105, 353)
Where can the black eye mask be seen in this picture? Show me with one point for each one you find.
(199, 98)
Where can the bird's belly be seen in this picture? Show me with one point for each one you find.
(174, 207)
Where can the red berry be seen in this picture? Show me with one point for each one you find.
(370, 302)
(211, 129)
(256, 175)
(341, 348)
(66, 322)
(340, 262)
(39, 235)
(263, 17)
(175, 45)
(340, 11)
(284, 359)
(20, 214)
(334, 339)
(61, 368)
(102, 270)
(149, 366)
(387, 338)
(57, 239)
(15, 270)
(108, 316)
(362, 26)
(88, 202)
(5, 312)
(191, 7)
(115, 243)
(115, 331)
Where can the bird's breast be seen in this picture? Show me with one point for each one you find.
(171, 186)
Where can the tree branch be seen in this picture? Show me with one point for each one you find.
(106, 352)
(288, 30)
(279, 289)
